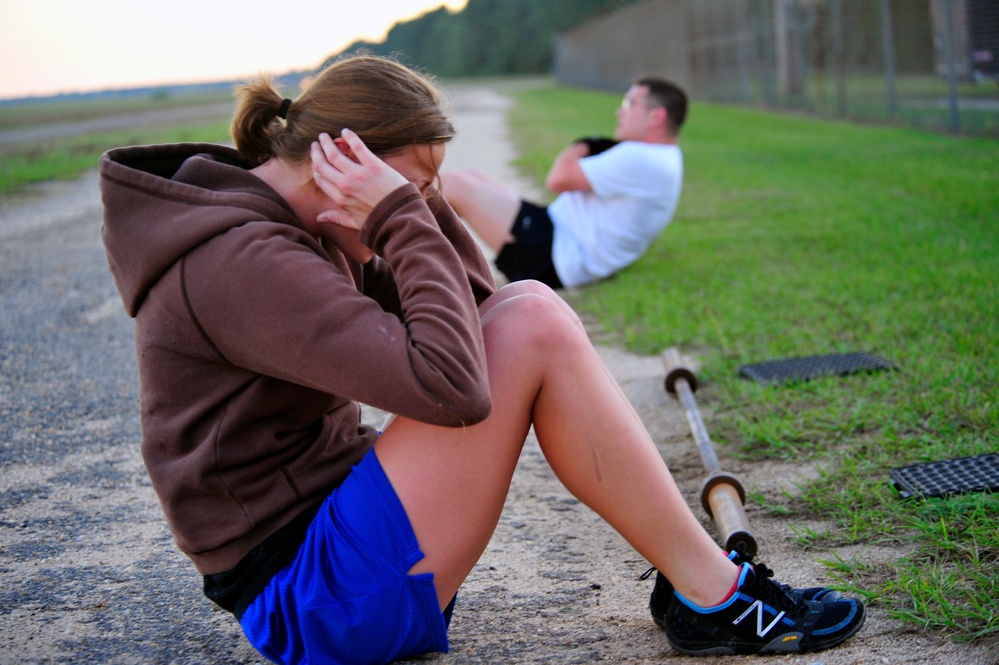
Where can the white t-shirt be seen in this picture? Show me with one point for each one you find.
(636, 187)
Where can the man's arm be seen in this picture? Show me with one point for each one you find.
(565, 174)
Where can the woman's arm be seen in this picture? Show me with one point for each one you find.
(379, 282)
(480, 276)
(279, 307)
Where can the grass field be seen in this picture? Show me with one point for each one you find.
(921, 101)
(43, 111)
(797, 237)
(66, 156)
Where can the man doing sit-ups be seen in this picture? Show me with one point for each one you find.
(614, 197)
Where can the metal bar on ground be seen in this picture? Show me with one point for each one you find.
(722, 494)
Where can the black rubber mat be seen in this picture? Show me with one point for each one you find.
(957, 476)
(810, 367)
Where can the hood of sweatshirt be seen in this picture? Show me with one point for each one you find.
(154, 213)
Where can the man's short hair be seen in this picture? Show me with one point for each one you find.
(668, 95)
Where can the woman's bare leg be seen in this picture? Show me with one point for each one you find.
(543, 370)
(486, 205)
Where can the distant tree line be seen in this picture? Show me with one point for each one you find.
(487, 37)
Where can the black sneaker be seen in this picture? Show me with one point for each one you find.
(662, 592)
(760, 617)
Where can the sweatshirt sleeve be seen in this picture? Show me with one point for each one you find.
(480, 276)
(269, 299)
(379, 282)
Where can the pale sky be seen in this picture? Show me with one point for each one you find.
(56, 46)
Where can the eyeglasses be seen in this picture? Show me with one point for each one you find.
(647, 104)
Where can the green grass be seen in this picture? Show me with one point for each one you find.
(64, 158)
(797, 237)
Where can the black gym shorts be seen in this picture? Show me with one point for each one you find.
(529, 256)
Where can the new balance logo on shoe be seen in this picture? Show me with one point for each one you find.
(759, 607)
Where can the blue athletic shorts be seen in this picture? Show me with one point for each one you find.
(347, 597)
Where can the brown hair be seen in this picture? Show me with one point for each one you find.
(387, 104)
(668, 95)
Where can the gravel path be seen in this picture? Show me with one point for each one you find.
(89, 572)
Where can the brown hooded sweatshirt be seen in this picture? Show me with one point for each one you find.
(256, 343)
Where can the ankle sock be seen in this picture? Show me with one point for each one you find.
(731, 592)
(735, 586)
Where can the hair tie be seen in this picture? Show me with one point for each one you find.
(283, 109)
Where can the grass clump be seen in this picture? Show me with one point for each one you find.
(799, 237)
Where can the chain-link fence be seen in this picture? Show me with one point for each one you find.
(927, 63)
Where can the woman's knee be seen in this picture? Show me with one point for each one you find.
(533, 315)
(530, 287)
(521, 288)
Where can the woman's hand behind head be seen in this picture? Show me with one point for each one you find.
(353, 178)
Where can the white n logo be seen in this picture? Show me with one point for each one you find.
(760, 630)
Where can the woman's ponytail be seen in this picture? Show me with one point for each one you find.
(256, 121)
